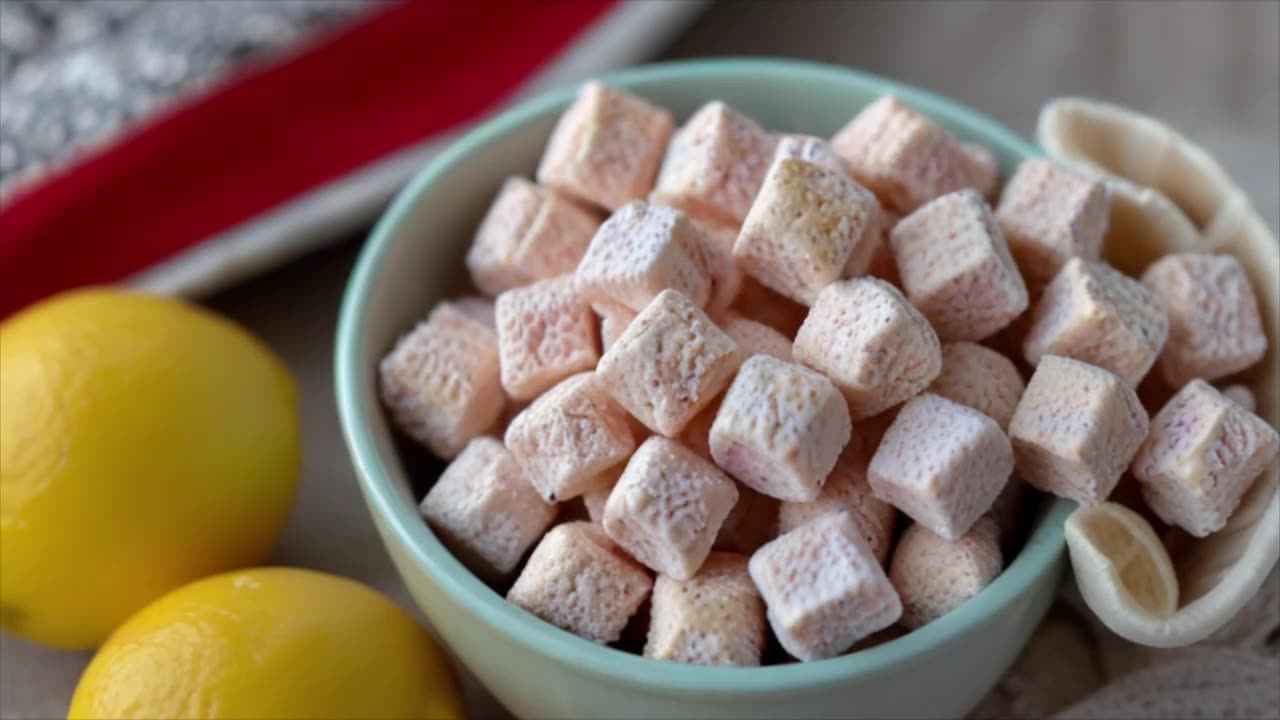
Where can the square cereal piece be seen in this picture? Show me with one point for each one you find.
(485, 510)
(873, 344)
(752, 522)
(847, 489)
(802, 228)
(668, 506)
(577, 580)
(984, 169)
(753, 337)
(780, 428)
(1203, 454)
(942, 463)
(530, 233)
(714, 164)
(669, 364)
(810, 149)
(440, 383)
(722, 267)
(934, 576)
(1214, 326)
(714, 618)
(823, 587)
(1050, 215)
(1096, 314)
(981, 378)
(569, 436)
(640, 251)
(546, 332)
(956, 268)
(905, 158)
(1075, 430)
(606, 148)
(614, 319)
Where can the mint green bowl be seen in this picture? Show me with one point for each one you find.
(415, 258)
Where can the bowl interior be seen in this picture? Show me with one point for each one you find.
(415, 258)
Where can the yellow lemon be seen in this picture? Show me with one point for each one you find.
(269, 643)
(144, 443)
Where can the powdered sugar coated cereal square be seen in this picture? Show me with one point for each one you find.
(714, 618)
(546, 332)
(640, 251)
(847, 489)
(934, 576)
(981, 378)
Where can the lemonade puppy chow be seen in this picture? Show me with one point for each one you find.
(714, 165)
(640, 251)
(803, 227)
(934, 576)
(578, 580)
(668, 506)
(1215, 329)
(873, 344)
(485, 510)
(905, 158)
(1050, 215)
(715, 617)
(1094, 313)
(956, 268)
(981, 378)
(780, 428)
(1076, 429)
(941, 463)
(568, 436)
(530, 233)
(823, 588)
(1203, 454)
(441, 381)
(606, 148)
(847, 489)
(546, 332)
(669, 364)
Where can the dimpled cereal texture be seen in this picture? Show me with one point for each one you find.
(956, 268)
(804, 225)
(722, 266)
(546, 332)
(606, 148)
(1075, 430)
(568, 436)
(810, 149)
(714, 618)
(714, 164)
(941, 463)
(669, 364)
(755, 338)
(823, 588)
(1204, 452)
(640, 251)
(1215, 329)
(441, 381)
(873, 344)
(780, 428)
(934, 576)
(752, 522)
(577, 580)
(847, 489)
(614, 319)
(668, 506)
(485, 510)
(905, 158)
(1094, 313)
(981, 378)
(984, 169)
(1050, 215)
(530, 233)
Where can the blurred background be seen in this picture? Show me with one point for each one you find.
(96, 96)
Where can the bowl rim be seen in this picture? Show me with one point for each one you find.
(1044, 545)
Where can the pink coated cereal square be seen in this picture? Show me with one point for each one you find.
(823, 588)
(714, 618)
(669, 364)
(485, 510)
(956, 268)
(934, 575)
(546, 332)
(530, 233)
(640, 251)
(668, 506)
(802, 229)
(847, 489)
(780, 428)
(568, 436)
(981, 378)
(441, 382)
(873, 344)
(714, 165)
(606, 148)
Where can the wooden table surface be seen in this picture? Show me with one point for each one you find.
(1212, 70)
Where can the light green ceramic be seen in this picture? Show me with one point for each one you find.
(415, 257)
